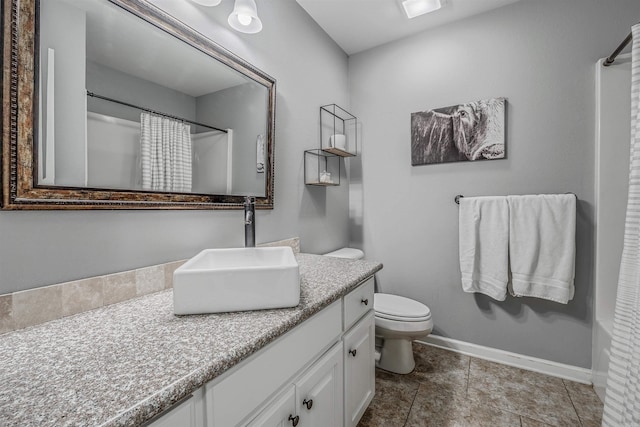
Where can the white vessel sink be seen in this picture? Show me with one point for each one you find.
(239, 279)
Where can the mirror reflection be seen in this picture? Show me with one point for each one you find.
(126, 106)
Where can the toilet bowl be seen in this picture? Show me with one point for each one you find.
(398, 321)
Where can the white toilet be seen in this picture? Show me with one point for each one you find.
(399, 321)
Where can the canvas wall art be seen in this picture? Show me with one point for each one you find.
(464, 132)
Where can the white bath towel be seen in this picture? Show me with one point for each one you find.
(484, 239)
(542, 246)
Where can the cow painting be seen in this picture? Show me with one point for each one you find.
(471, 131)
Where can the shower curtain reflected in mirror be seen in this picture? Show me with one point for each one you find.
(165, 154)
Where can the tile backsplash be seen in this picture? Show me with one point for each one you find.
(35, 306)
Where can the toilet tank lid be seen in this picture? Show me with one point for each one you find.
(398, 306)
(350, 253)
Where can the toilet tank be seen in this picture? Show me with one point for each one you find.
(349, 253)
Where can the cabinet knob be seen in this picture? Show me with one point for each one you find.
(365, 301)
(308, 403)
(294, 420)
(353, 352)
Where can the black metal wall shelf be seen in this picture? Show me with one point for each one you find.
(338, 139)
(338, 131)
(321, 168)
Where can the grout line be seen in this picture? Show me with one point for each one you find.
(406, 420)
(466, 392)
(572, 404)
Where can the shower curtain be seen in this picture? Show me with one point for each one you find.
(622, 401)
(165, 153)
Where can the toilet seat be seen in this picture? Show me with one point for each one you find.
(395, 307)
(402, 319)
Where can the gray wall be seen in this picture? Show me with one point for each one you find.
(40, 248)
(243, 109)
(541, 56)
(115, 84)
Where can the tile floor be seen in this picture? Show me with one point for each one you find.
(450, 389)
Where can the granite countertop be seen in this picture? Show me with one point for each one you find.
(123, 364)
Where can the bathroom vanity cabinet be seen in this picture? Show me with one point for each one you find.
(136, 363)
(320, 373)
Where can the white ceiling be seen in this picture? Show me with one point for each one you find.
(358, 25)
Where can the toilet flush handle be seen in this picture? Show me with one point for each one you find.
(365, 301)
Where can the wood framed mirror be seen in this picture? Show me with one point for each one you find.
(117, 105)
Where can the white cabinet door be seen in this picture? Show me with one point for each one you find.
(280, 412)
(359, 369)
(319, 393)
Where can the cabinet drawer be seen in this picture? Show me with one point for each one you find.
(357, 303)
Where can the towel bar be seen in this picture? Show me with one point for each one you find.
(459, 196)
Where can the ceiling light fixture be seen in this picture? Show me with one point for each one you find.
(244, 17)
(207, 2)
(415, 8)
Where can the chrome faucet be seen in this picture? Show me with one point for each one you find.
(249, 222)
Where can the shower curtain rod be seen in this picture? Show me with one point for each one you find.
(616, 52)
(95, 95)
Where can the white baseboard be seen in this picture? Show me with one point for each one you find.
(547, 367)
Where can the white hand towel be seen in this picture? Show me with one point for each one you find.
(542, 246)
(484, 239)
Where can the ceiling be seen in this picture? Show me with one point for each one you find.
(357, 25)
(123, 42)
